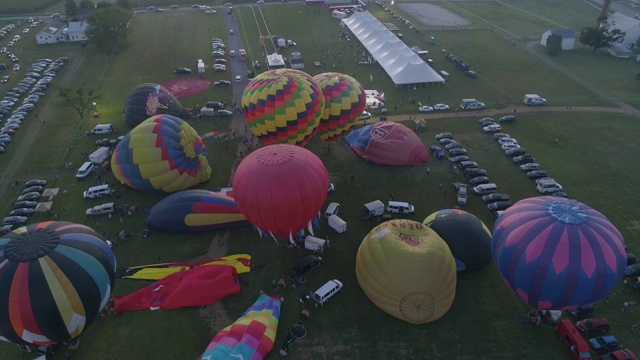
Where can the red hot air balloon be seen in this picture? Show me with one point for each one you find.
(280, 189)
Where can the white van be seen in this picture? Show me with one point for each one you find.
(102, 129)
(548, 186)
(398, 207)
(471, 104)
(332, 209)
(485, 189)
(327, 291)
(84, 170)
(97, 191)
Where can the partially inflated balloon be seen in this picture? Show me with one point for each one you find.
(407, 270)
(556, 253)
(344, 100)
(468, 238)
(283, 107)
(56, 277)
(162, 154)
(147, 100)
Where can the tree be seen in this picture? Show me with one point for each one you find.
(599, 36)
(70, 8)
(86, 4)
(80, 99)
(124, 4)
(554, 44)
(103, 4)
(108, 27)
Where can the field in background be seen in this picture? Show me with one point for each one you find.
(591, 159)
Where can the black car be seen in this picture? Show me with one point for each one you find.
(515, 152)
(458, 159)
(632, 271)
(478, 180)
(182, 70)
(487, 199)
(15, 220)
(24, 204)
(486, 119)
(537, 174)
(471, 74)
(224, 113)
(561, 194)
(453, 145)
(507, 119)
(445, 141)
(524, 159)
(471, 173)
(487, 123)
(29, 196)
(38, 189)
(21, 212)
(499, 205)
(444, 135)
(457, 152)
(222, 83)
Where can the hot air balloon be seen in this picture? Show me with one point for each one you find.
(280, 189)
(283, 107)
(162, 154)
(56, 277)
(556, 253)
(147, 100)
(407, 271)
(468, 238)
(249, 337)
(195, 211)
(388, 143)
(344, 100)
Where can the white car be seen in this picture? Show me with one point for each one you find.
(25, 30)
(260, 2)
(492, 128)
(365, 115)
(10, 43)
(505, 140)
(425, 108)
(210, 12)
(507, 146)
(16, 67)
(441, 107)
(232, 53)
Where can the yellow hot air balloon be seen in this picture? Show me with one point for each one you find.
(407, 271)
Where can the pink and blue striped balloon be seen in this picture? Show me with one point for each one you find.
(557, 253)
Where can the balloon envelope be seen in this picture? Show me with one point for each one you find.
(557, 253)
(147, 100)
(283, 107)
(162, 154)
(195, 211)
(55, 277)
(280, 189)
(407, 270)
(388, 143)
(468, 238)
(344, 100)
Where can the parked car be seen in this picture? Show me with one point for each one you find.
(478, 180)
(463, 194)
(622, 354)
(507, 139)
(515, 151)
(524, 159)
(457, 152)
(471, 74)
(632, 271)
(24, 204)
(584, 310)
(21, 212)
(35, 182)
(468, 164)
(471, 173)
(29, 196)
(444, 135)
(458, 159)
(530, 167)
(488, 199)
(107, 208)
(607, 342)
(441, 107)
(365, 115)
(487, 123)
(15, 220)
(492, 128)
(222, 83)
(560, 193)
(593, 325)
(507, 146)
(499, 205)
(224, 113)
(453, 145)
(507, 119)
(425, 108)
(182, 70)
(35, 188)
(536, 174)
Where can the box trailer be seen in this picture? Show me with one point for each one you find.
(315, 244)
(99, 156)
(373, 209)
(337, 224)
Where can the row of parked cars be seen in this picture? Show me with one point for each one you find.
(32, 87)
(24, 206)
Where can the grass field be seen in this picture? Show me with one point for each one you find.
(591, 159)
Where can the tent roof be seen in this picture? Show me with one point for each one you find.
(43, 206)
(50, 192)
(401, 64)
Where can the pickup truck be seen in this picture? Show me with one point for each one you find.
(107, 208)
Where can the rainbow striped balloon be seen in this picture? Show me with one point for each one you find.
(556, 253)
(251, 337)
(56, 277)
(344, 100)
(283, 106)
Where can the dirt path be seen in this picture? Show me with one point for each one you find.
(29, 134)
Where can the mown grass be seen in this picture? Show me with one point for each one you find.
(591, 159)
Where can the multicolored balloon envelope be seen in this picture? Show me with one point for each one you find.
(468, 238)
(162, 154)
(283, 106)
(195, 211)
(240, 262)
(344, 100)
(56, 277)
(251, 336)
(281, 189)
(556, 253)
(147, 100)
(388, 143)
(407, 271)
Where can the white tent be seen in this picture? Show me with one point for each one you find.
(275, 61)
(401, 64)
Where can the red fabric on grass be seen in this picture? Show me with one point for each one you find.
(184, 87)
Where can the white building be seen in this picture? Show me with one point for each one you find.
(76, 31)
(53, 34)
(568, 37)
(628, 25)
